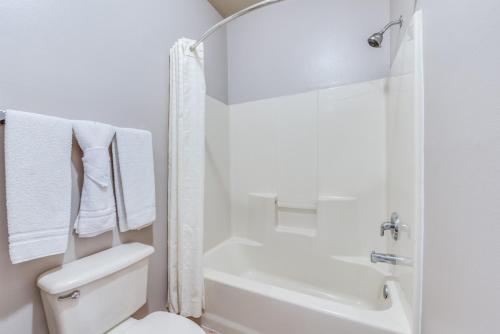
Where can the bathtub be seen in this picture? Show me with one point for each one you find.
(252, 289)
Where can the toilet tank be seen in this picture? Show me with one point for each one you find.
(95, 293)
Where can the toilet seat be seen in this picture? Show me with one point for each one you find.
(164, 323)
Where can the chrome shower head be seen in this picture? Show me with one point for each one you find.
(375, 40)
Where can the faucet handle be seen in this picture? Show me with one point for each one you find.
(385, 227)
(394, 225)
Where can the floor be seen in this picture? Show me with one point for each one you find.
(210, 331)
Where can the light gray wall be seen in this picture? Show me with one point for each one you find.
(461, 286)
(103, 60)
(298, 46)
(400, 8)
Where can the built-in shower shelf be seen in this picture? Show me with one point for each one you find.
(296, 206)
(307, 232)
(329, 215)
(297, 218)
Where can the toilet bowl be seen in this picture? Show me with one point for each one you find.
(99, 294)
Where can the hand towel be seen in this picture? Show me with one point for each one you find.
(97, 205)
(133, 168)
(38, 184)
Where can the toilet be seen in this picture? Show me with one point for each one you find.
(99, 293)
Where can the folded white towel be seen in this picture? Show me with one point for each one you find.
(133, 167)
(97, 206)
(38, 184)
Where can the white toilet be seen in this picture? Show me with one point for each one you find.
(99, 293)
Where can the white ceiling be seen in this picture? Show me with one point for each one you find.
(228, 7)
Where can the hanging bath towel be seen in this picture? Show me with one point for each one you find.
(97, 205)
(186, 173)
(38, 184)
(134, 175)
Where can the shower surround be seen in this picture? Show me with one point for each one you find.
(312, 176)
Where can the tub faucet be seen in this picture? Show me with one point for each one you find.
(390, 258)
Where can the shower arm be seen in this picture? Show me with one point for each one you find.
(228, 19)
(392, 23)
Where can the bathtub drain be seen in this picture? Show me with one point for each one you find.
(385, 292)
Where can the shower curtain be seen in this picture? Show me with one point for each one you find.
(186, 176)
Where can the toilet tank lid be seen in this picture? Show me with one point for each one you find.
(91, 268)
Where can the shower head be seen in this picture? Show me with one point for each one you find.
(375, 40)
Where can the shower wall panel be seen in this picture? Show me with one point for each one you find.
(217, 182)
(314, 152)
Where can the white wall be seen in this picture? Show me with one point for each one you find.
(326, 143)
(298, 46)
(461, 287)
(217, 172)
(105, 61)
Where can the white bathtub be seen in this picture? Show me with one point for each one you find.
(254, 289)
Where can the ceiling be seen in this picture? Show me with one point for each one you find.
(228, 7)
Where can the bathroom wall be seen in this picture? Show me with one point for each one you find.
(298, 46)
(315, 150)
(217, 174)
(105, 61)
(461, 290)
(399, 8)
(404, 96)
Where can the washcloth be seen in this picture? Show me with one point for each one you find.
(133, 168)
(97, 206)
(38, 184)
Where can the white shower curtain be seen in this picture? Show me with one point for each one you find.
(186, 176)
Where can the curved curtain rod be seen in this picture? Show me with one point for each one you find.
(228, 19)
